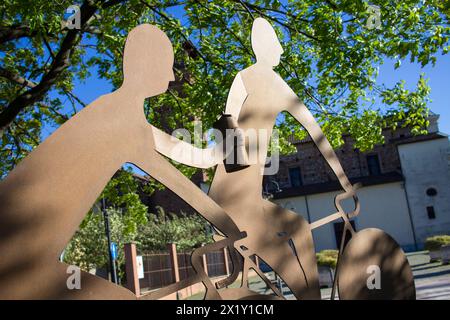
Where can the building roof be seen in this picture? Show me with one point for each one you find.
(419, 138)
(334, 185)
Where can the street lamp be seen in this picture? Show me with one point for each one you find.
(112, 265)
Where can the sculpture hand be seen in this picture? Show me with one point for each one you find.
(346, 195)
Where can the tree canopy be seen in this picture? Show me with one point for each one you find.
(88, 249)
(331, 60)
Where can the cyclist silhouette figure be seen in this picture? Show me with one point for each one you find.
(45, 198)
(280, 237)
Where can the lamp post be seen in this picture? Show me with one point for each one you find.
(112, 265)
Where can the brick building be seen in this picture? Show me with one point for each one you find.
(406, 186)
(167, 199)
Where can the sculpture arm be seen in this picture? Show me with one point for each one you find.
(185, 153)
(236, 97)
(301, 113)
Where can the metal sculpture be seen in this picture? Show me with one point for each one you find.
(282, 238)
(44, 199)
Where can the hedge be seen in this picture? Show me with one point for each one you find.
(435, 242)
(327, 258)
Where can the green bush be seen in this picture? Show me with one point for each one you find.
(435, 242)
(327, 258)
(187, 231)
(88, 248)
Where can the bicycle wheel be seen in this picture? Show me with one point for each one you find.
(374, 267)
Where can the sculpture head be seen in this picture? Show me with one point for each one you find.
(265, 43)
(147, 61)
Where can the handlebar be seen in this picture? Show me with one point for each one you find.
(340, 213)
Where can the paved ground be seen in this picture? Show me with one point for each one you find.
(432, 280)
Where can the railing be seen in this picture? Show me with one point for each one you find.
(159, 271)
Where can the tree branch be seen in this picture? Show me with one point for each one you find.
(244, 5)
(13, 77)
(15, 32)
(75, 98)
(290, 28)
(26, 133)
(285, 13)
(58, 65)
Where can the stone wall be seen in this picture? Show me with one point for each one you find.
(314, 169)
(425, 166)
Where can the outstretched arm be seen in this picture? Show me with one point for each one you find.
(236, 97)
(185, 153)
(301, 113)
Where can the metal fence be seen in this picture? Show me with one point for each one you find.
(157, 270)
(216, 263)
(184, 265)
(158, 267)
